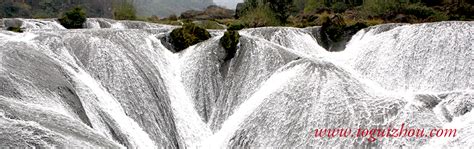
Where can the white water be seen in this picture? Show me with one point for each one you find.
(139, 138)
(219, 139)
(115, 85)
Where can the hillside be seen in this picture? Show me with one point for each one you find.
(164, 8)
(96, 8)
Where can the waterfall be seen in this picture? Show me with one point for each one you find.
(115, 84)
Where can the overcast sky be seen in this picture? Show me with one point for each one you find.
(228, 3)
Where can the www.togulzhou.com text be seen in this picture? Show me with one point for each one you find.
(389, 132)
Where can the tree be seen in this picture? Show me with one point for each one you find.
(188, 35)
(229, 42)
(14, 9)
(282, 8)
(73, 18)
(313, 4)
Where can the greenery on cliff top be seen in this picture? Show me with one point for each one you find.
(258, 13)
(73, 18)
(230, 40)
(302, 13)
(188, 35)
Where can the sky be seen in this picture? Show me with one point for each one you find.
(228, 3)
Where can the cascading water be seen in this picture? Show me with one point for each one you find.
(115, 84)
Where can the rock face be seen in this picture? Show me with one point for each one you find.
(115, 84)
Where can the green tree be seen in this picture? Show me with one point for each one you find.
(261, 16)
(380, 7)
(282, 8)
(14, 9)
(312, 5)
(73, 18)
(188, 35)
(299, 4)
(229, 42)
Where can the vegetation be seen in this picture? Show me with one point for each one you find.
(171, 20)
(260, 17)
(13, 9)
(339, 7)
(168, 22)
(188, 35)
(73, 18)
(281, 8)
(333, 28)
(302, 13)
(230, 39)
(377, 8)
(173, 17)
(15, 29)
(277, 11)
(209, 24)
(124, 11)
(210, 13)
(236, 26)
(51, 8)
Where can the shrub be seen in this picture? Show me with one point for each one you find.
(172, 17)
(226, 22)
(15, 29)
(462, 12)
(231, 38)
(259, 17)
(229, 41)
(236, 26)
(299, 4)
(313, 5)
(73, 18)
(125, 11)
(208, 24)
(323, 18)
(438, 16)
(304, 19)
(169, 22)
(153, 19)
(281, 8)
(372, 22)
(375, 8)
(418, 10)
(40, 15)
(188, 35)
(10, 9)
(339, 7)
